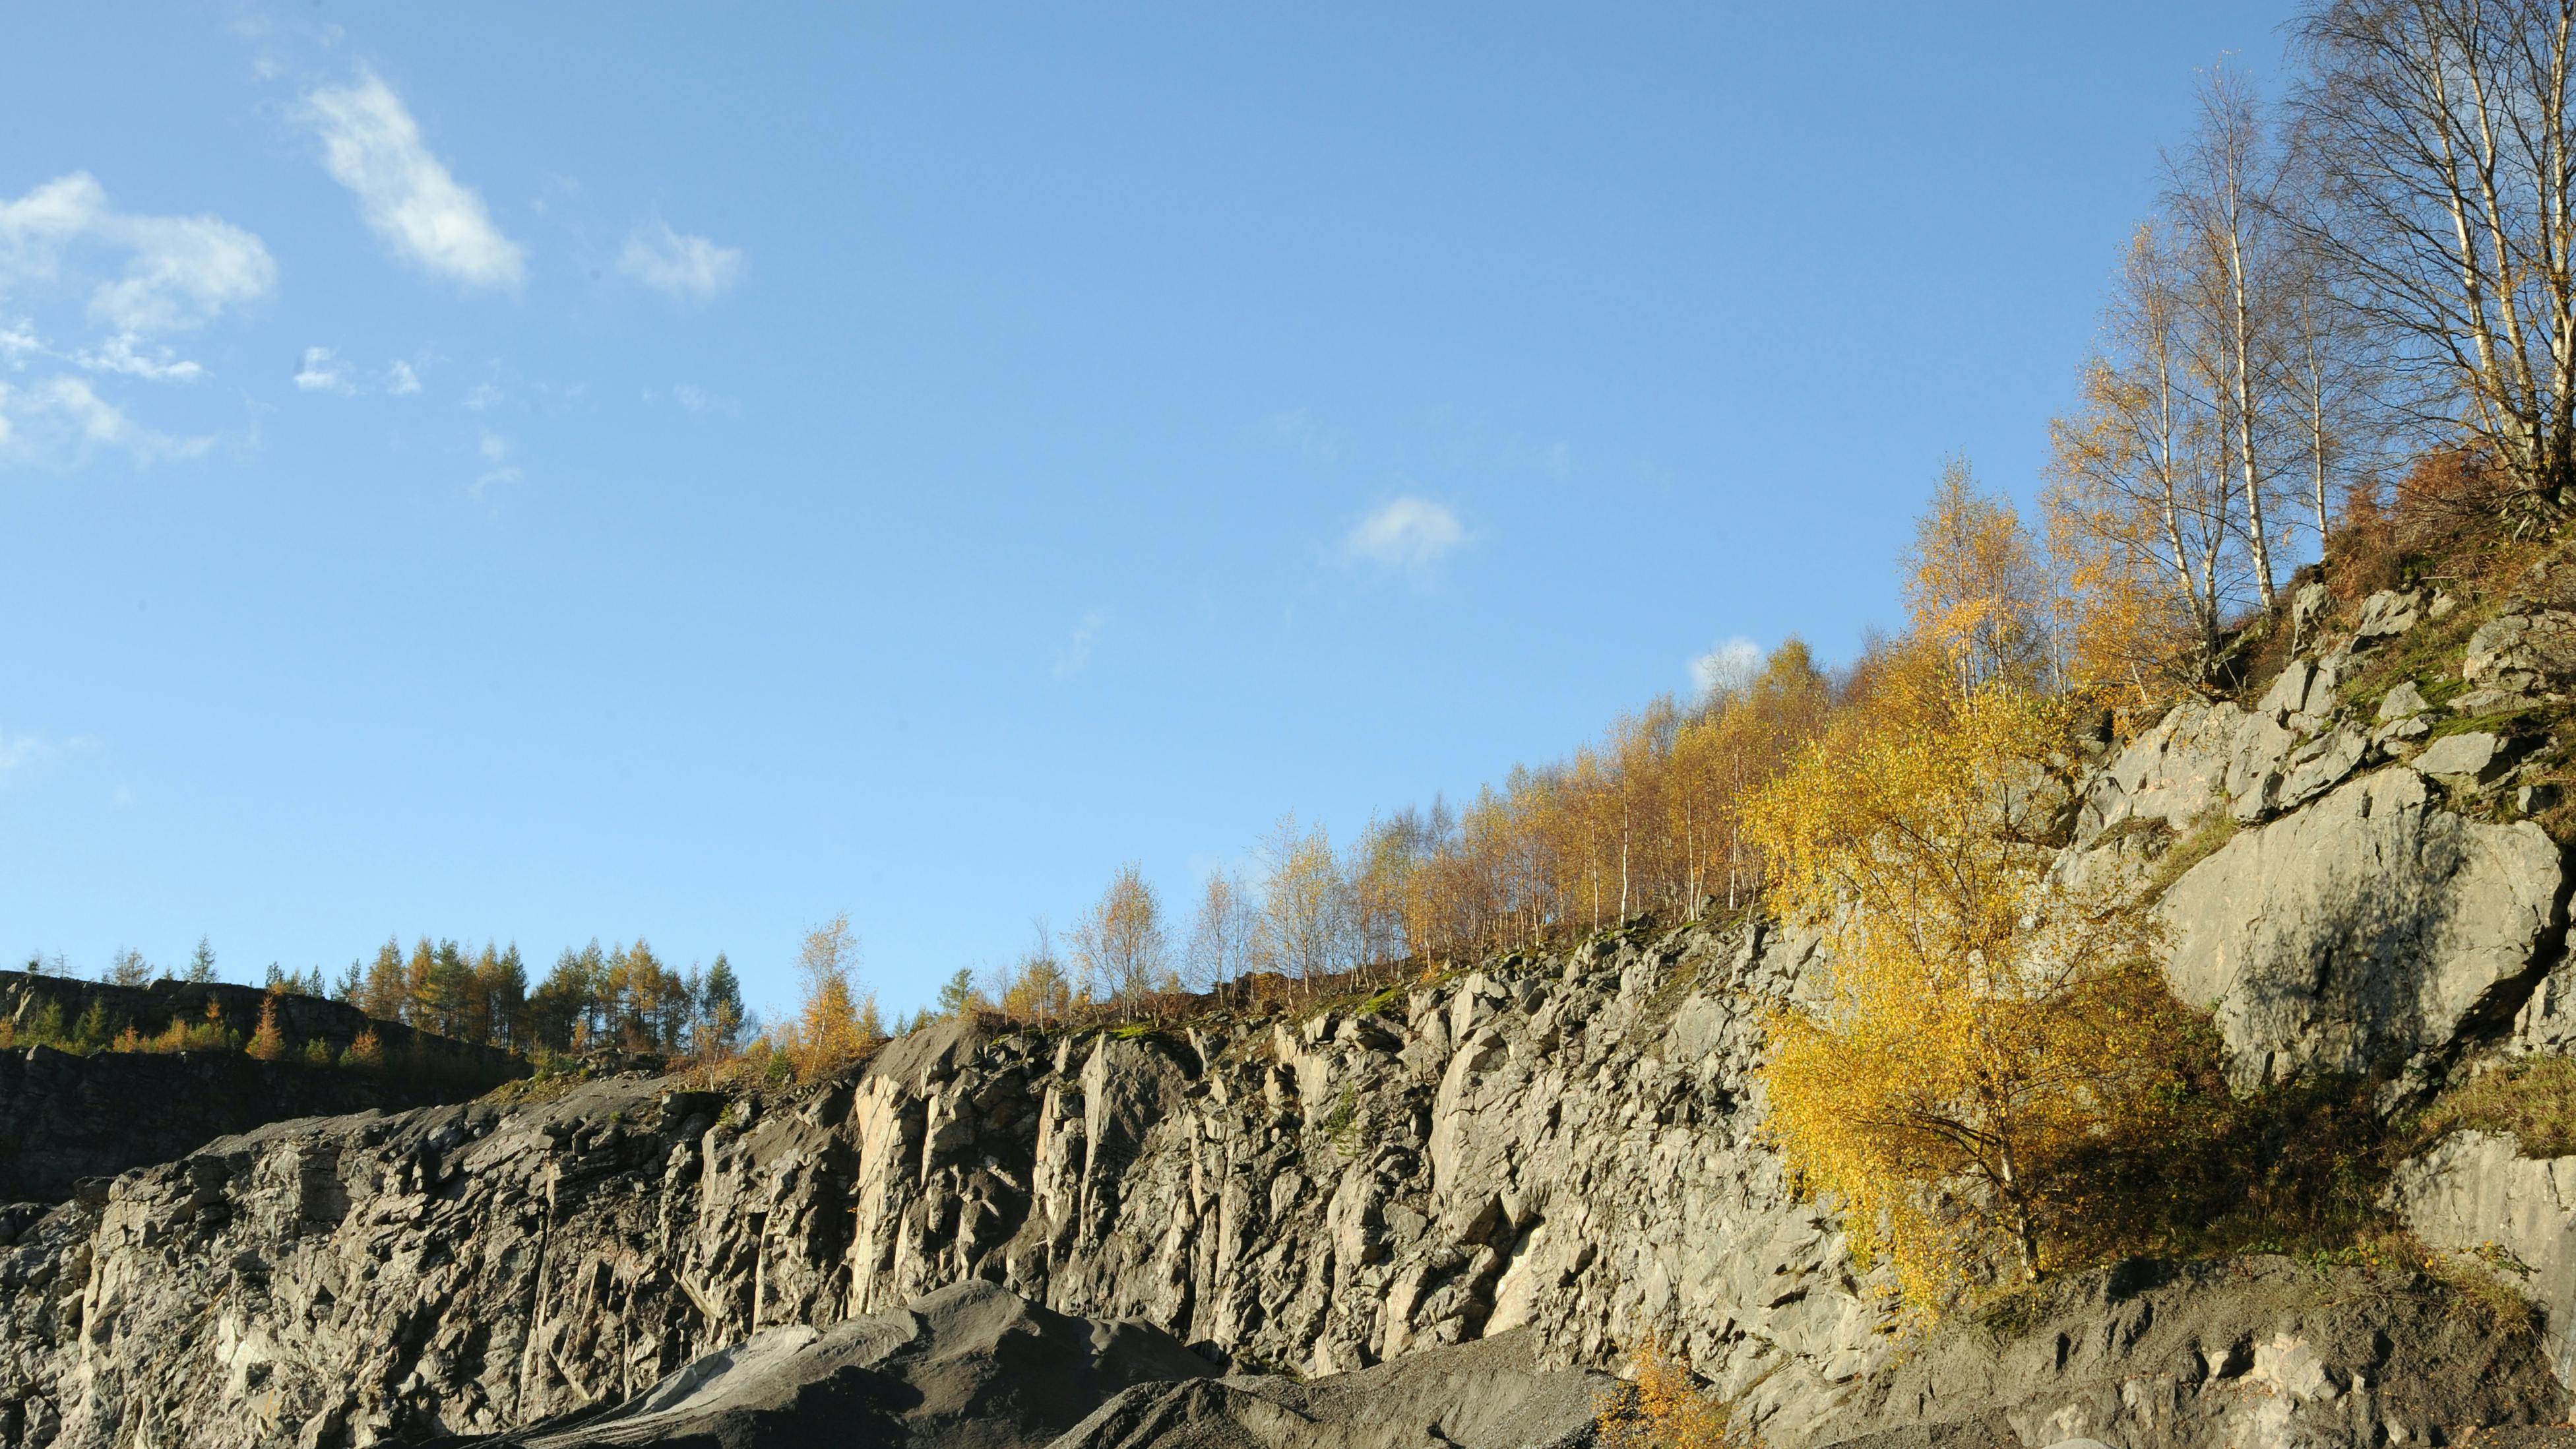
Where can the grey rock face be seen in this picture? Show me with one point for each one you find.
(2207, 1356)
(2371, 924)
(2404, 701)
(2204, 757)
(2176, 771)
(2387, 614)
(971, 1366)
(1489, 1394)
(2470, 757)
(1566, 1147)
(65, 1117)
(2523, 652)
(2475, 1192)
(2307, 608)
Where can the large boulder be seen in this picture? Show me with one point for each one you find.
(1491, 1394)
(970, 1365)
(2260, 1353)
(2371, 926)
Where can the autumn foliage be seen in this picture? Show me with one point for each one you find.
(268, 1043)
(1663, 1407)
(1985, 1020)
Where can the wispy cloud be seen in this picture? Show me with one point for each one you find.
(123, 355)
(17, 750)
(699, 402)
(400, 379)
(372, 146)
(676, 264)
(126, 355)
(498, 470)
(62, 418)
(20, 343)
(1408, 533)
(179, 272)
(321, 374)
(1729, 666)
(1075, 656)
(1300, 431)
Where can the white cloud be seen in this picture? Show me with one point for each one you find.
(497, 467)
(400, 380)
(124, 354)
(371, 145)
(1075, 656)
(63, 415)
(19, 342)
(676, 264)
(180, 272)
(1729, 666)
(37, 228)
(320, 374)
(480, 396)
(700, 402)
(1407, 533)
(185, 271)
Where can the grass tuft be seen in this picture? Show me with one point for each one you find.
(2212, 830)
(2533, 1098)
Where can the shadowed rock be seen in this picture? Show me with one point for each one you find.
(972, 1366)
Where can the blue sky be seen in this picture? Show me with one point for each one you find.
(550, 472)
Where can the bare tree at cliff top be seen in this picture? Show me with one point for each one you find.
(2442, 132)
(2222, 189)
(1121, 943)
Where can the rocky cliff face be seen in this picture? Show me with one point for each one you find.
(1556, 1153)
(1560, 1145)
(66, 1117)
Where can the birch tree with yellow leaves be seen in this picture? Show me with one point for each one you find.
(1974, 587)
(1983, 1022)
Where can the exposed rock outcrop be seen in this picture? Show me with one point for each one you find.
(971, 1366)
(2208, 1356)
(2359, 918)
(1563, 1145)
(65, 1117)
(2476, 1193)
(2372, 924)
(1489, 1394)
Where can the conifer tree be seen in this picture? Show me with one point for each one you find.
(268, 1043)
(719, 1008)
(383, 993)
(958, 996)
(419, 988)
